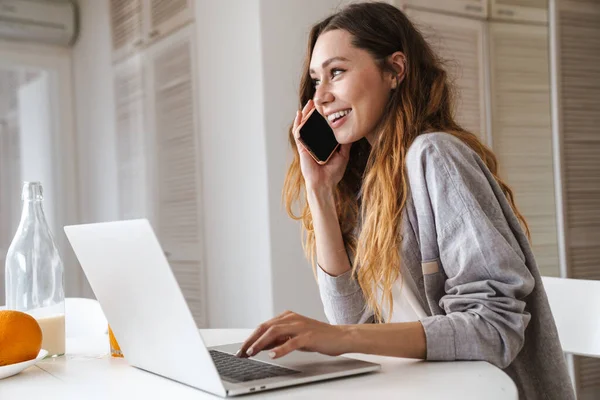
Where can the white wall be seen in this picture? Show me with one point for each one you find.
(95, 116)
(236, 205)
(284, 31)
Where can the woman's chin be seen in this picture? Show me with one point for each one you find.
(346, 139)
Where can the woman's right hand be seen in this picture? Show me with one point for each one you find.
(318, 176)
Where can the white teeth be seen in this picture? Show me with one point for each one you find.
(336, 115)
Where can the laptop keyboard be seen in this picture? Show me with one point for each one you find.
(235, 369)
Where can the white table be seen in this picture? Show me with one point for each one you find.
(87, 372)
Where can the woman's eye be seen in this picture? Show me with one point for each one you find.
(336, 71)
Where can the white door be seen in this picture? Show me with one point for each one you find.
(460, 41)
(175, 167)
(522, 130)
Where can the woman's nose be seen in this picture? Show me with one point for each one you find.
(322, 96)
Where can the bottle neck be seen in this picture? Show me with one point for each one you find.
(33, 212)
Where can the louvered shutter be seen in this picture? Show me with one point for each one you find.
(126, 26)
(165, 16)
(535, 11)
(579, 77)
(177, 183)
(470, 8)
(460, 42)
(522, 130)
(579, 60)
(130, 139)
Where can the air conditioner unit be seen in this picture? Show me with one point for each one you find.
(39, 21)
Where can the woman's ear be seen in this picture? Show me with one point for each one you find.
(398, 63)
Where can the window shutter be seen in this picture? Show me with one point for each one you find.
(579, 77)
(166, 16)
(126, 25)
(163, 10)
(469, 8)
(532, 11)
(522, 130)
(543, 4)
(459, 41)
(177, 170)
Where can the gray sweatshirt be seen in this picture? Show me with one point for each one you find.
(471, 267)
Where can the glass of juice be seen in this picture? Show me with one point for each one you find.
(115, 350)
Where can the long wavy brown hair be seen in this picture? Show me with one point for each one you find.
(422, 103)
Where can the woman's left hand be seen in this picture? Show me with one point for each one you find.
(290, 331)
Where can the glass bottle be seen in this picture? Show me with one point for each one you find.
(35, 273)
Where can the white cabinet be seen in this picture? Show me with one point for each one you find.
(469, 8)
(460, 41)
(522, 130)
(534, 11)
(159, 174)
(136, 24)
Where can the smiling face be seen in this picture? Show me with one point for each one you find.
(351, 90)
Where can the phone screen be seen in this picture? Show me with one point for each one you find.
(318, 137)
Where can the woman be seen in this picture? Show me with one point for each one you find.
(409, 222)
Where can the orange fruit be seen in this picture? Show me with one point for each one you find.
(20, 337)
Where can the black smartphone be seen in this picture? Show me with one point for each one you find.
(318, 138)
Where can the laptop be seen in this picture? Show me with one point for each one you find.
(131, 278)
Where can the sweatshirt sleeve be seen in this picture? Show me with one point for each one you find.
(468, 228)
(343, 299)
